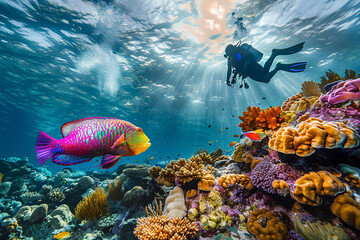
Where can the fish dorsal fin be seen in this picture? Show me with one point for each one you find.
(119, 142)
(68, 127)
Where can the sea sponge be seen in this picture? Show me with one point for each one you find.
(92, 206)
(312, 187)
(310, 88)
(313, 133)
(164, 228)
(317, 230)
(347, 209)
(233, 179)
(351, 174)
(207, 182)
(175, 204)
(256, 118)
(265, 225)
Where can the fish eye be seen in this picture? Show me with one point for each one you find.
(139, 130)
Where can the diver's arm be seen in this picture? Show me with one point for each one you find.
(229, 70)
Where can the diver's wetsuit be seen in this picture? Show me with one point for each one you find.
(246, 64)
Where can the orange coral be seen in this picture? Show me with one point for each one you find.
(310, 188)
(163, 228)
(232, 179)
(191, 193)
(256, 118)
(265, 225)
(255, 162)
(313, 133)
(347, 209)
(280, 184)
(93, 206)
(207, 182)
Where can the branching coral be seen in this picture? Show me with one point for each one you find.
(207, 182)
(256, 118)
(313, 133)
(115, 192)
(310, 88)
(317, 230)
(233, 179)
(93, 206)
(155, 171)
(185, 171)
(347, 209)
(312, 187)
(152, 211)
(163, 228)
(265, 225)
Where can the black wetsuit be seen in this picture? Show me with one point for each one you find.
(246, 65)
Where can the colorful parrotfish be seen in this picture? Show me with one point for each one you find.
(87, 138)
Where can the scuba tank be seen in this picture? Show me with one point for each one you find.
(256, 53)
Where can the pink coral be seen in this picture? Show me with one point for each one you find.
(342, 92)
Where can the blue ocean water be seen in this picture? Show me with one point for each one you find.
(158, 64)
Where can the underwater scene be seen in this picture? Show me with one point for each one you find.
(180, 119)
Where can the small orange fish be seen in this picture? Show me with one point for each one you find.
(220, 130)
(232, 143)
(236, 135)
(62, 235)
(252, 135)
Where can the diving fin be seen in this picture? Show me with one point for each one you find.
(292, 67)
(290, 50)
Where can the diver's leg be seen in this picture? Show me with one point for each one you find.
(269, 62)
(256, 72)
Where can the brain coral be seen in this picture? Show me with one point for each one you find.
(310, 188)
(313, 133)
(256, 118)
(342, 92)
(265, 225)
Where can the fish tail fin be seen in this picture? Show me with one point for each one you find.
(43, 147)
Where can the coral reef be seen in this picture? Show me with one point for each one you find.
(56, 195)
(175, 204)
(342, 92)
(310, 88)
(329, 77)
(233, 179)
(351, 174)
(164, 228)
(207, 182)
(115, 192)
(256, 118)
(93, 206)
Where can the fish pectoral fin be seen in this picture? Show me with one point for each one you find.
(65, 159)
(119, 142)
(109, 160)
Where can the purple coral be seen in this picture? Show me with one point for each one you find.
(342, 92)
(266, 172)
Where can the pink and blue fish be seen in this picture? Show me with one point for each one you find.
(87, 138)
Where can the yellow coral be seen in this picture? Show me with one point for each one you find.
(93, 206)
(163, 228)
(232, 179)
(313, 133)
(265, 225)
(239, 151)
(310, 88)
(347, 209)
(310, 188)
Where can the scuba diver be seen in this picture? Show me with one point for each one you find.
(243, 61)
